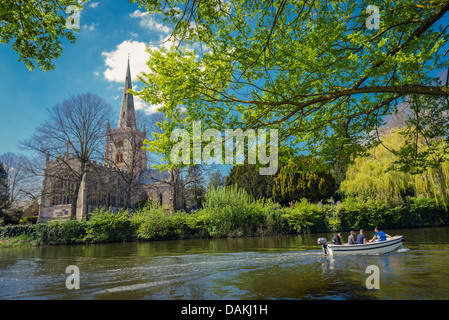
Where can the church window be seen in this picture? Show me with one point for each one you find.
(119, 158)
(119, 143)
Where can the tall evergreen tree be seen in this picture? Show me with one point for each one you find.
(247, 177)
(295, 182)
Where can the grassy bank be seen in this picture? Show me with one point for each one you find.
(231, 212)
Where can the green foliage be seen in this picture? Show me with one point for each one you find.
(231, 211)
(355, 213)
(423, 130)
(294, 182)
(247, 177)
(35, 29)
(12, 215)
(139, 205)
(375, 175)
(155, 223)
(12, 231)
(423, 211)
(311, 69)
(57, 232)
(304, 216)
(108, 226)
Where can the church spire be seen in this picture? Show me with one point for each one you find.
(127, 117)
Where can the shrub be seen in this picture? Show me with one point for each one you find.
(62, 232)
(304, 216)
(154, 223)
(194, 226)
(12, 216)
(12, 231)
(108, 226)
(423, 211)
(232, 212)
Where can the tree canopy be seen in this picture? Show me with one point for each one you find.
(311, 69)
(376, 176)
(35, 28)
(247, 177)
(294, 182)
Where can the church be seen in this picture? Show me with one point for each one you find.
(119, 181)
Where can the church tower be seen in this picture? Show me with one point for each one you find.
(124, 144)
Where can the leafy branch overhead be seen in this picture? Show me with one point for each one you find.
(311, 69)
(36, 29)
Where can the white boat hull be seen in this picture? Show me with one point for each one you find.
(389, 245)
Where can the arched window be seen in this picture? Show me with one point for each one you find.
(119, 158)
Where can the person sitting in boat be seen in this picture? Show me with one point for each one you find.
(337, 237)
(379, 235)
(351, 238)
(361, 237)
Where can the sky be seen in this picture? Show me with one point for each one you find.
(109, 31)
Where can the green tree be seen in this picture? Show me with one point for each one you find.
(313, 70)
(294, 182)
(376, 175)
(12, 216)
(35, 29)
(247, 177)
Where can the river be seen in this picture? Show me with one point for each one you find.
(280, 267)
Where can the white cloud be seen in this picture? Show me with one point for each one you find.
(116, 60)
(89, 27)
(93, 4)
(166, 42)
(149, 22)
(139, 104)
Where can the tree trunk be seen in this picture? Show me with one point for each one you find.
(79, 179)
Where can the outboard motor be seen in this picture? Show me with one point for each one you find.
(323, 243)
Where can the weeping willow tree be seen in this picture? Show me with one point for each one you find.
(371, 176)
(376, 175)
(433, 182)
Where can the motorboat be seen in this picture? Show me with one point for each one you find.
(389, 245)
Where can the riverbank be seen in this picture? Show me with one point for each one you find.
(229, 213)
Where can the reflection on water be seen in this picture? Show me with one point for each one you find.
(283, 267)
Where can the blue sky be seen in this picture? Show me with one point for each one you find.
(109, 30)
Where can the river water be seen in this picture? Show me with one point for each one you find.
(281, 267)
